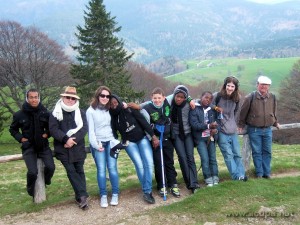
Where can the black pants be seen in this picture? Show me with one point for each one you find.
(185, 151)
(169, 169)
(76, 175)
(30, 157)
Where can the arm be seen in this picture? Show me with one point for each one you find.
(79, 135)
(197, 120)
(14, 129)
(91, 129)
(55, 131)
(143, 122)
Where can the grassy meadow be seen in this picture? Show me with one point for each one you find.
(246, 70)
(231, 201)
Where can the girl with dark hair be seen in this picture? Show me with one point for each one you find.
(228, 99)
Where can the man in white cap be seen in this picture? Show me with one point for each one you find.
(258, 112)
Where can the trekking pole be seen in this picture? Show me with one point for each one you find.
(161, 129)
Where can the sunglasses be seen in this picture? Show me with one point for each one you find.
(104, 96)
(72, 98)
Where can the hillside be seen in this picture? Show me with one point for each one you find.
(179, 28)
(246, 70)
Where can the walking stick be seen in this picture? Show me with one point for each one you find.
(161, 129)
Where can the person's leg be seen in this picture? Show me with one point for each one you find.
(267, 152)
(112, 169)
(168, 154)
(134, 154)
(146, 154)
(255, 139)
(47, 157)
(189, 148)
(203, 152)
(213, 164)
(182, 158)
(100, 161)
(30, 158)
(240, 169)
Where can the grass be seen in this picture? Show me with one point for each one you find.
(228, 202)
(246, 70)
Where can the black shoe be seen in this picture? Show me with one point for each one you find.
(83, 202)
(266, 177)
(195, 189)
(149, 198)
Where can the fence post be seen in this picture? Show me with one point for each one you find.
(39, 189)
(246, 152)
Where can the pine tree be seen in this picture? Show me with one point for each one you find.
(102, 57)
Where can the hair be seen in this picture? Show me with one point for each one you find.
(95, 100)
(32, 90)
(158, 90)
(206, 92)
(235, 96)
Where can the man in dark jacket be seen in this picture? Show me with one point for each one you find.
(32, 120)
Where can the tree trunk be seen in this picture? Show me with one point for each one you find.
(39, 189)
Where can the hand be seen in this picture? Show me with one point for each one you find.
(70, 142)
(24, 140)
(213, 131)
(125, 106)
(133, 105)
(213, 125)
(45, 135)
(218, 109)
(155, 141)
(277, 126)
(192, 104)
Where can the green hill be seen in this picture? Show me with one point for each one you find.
(246, 70)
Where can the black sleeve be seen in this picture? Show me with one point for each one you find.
(142, 121)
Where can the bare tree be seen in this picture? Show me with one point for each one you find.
(28, 58)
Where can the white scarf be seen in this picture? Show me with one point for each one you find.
(58, 114)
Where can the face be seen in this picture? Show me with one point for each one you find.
(104, 97)
(206, 100)
(33, 99)
(263, 88)
(230, 87)
(114, 103)
(179, 98)
(158, 99)
(69, 101)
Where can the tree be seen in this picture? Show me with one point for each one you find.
(102, 57)
(289, 107)
(29, 59)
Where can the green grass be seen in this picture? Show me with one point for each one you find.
(230, 201)
(246, 70)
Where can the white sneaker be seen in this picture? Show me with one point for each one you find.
(103, 201)
(114, 199)
(210, 185)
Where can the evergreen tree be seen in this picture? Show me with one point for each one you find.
(102, 57)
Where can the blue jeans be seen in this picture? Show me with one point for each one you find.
(103, 160)
(208, 160)
(230, 148)
(261, 144)
(140, 153)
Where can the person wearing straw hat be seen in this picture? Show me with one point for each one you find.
(68, 126)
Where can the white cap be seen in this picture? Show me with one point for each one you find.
(264, 80)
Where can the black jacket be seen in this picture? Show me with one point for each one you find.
(58, 130)
(33, 123)
(129, 122)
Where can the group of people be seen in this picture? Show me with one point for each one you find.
(149, 133)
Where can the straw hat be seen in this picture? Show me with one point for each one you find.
(70, 91)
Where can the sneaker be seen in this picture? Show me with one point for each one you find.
(266, 176)
(149, 198)
(175, 191)
(209, 185)
(103, 201)
(83, 202)
(114, 199)
(243, 178)
(163, 191)
(216, 183)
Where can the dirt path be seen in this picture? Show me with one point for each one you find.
(131, 210)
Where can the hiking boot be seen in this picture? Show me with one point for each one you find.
(103, 201)
(175, 191)
(114, 199)
(149, 198)
(163, 191)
